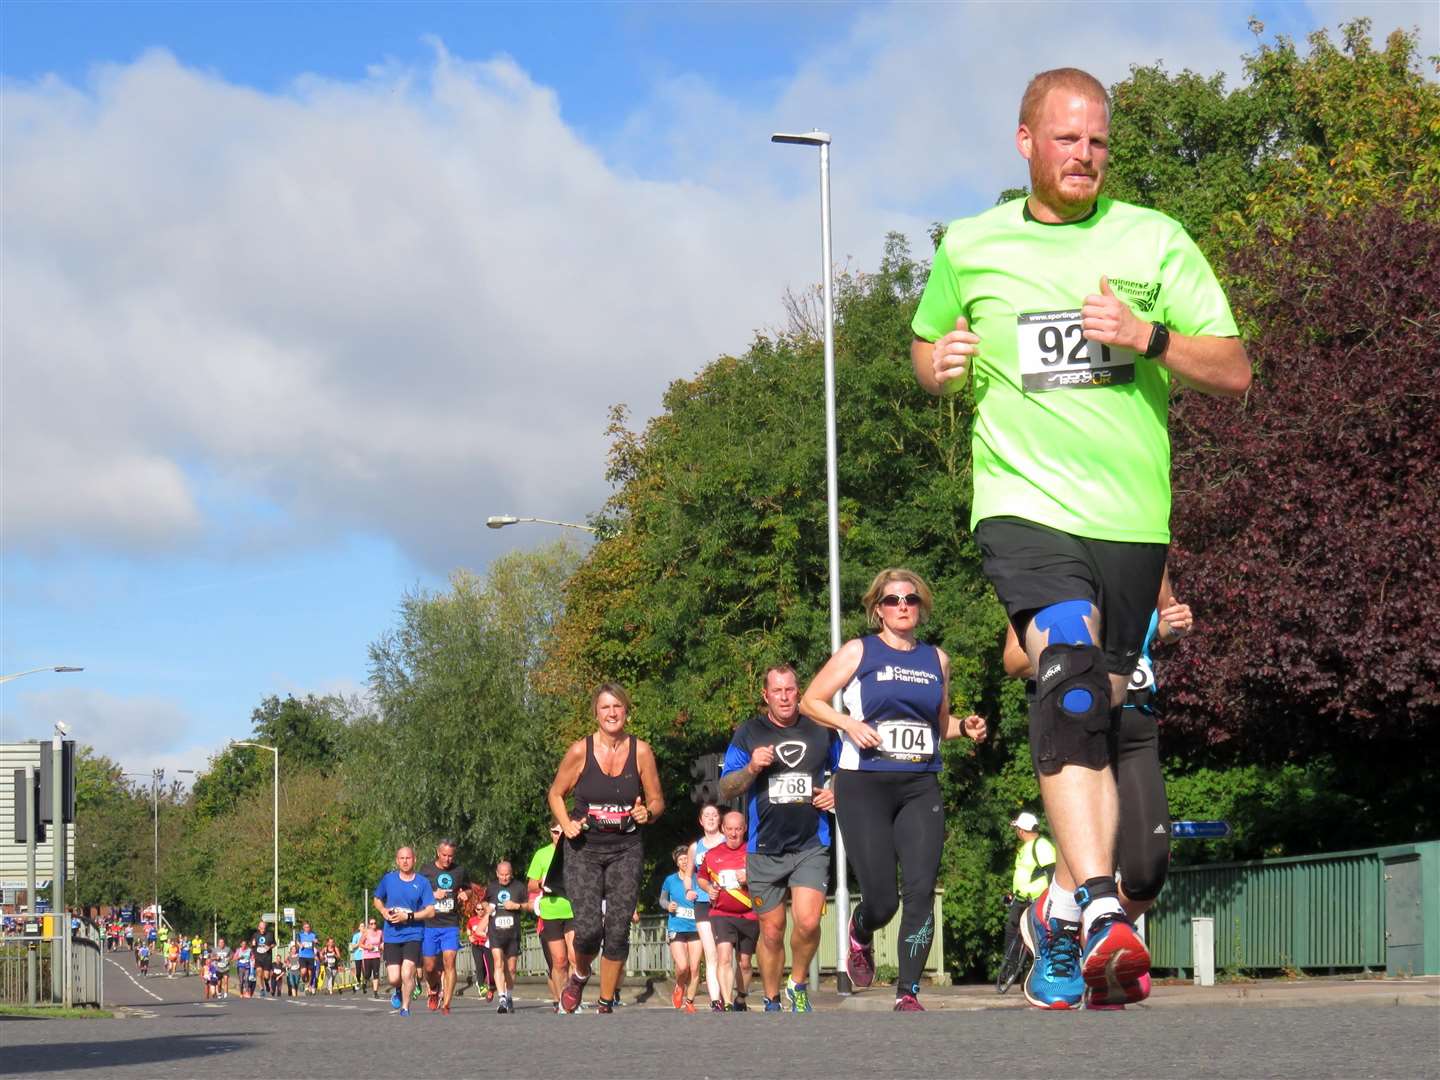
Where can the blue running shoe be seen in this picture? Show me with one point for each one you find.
(1054, 981)
(404, 1012)
(1115, 959)
(798, 996)
(395, 1002)
(773, 1005)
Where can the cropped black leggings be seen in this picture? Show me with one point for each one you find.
(891, 819)
(608, 873)
(1142, 848)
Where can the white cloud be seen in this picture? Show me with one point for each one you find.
(395, 306)
(398, 305)
(139, 733)
(922, 98)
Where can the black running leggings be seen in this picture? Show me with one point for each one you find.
(608, 872)
(1142, 849)
(889, 819)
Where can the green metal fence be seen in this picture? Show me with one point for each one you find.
(1376, 909)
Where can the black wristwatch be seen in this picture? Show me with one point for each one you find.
(410, 916)
(1159, 340)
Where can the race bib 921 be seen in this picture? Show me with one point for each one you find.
(1055, 354)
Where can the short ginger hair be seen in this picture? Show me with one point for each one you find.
(1066, 78)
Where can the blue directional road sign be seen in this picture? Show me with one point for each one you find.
(1199, 830)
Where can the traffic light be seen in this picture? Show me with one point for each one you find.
(47, 782)
(19, 808)
(706, 771)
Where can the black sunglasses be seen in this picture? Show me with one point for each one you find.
(909, 599)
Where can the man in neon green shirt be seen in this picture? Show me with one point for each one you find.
(557, 936)
(1075, 313)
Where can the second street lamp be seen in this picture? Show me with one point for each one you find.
(499, 521)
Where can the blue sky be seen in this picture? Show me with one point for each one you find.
(295, 295)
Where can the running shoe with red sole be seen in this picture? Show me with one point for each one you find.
(444, 1010)
(1114, 957)
(432, 1002)
(1130, 993)
(860, 964)
(571, 993)
(908, 1003)
(677, 997)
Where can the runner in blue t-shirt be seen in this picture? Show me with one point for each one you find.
(404, 899)
(306, 939)
(678, 896)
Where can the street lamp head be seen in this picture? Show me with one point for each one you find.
(61, 728)
(65, 669)
(499, 521)
(814, 138)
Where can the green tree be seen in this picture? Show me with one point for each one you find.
(112, 833)
(309, 731)
(1313, 134)
(461, 748)
(223, 866)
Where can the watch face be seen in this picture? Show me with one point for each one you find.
(1159, 339)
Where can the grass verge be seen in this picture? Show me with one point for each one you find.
(51, 1012)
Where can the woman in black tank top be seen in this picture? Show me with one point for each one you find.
(615, 786)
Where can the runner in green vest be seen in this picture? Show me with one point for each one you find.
(1075, 313)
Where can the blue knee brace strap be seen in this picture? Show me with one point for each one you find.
(1065, 622)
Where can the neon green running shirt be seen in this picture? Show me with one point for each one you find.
(551, 907)
(1067, 435)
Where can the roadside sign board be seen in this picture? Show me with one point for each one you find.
(1199, 830)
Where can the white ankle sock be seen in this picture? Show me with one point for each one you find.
(1062, 905)
(1104, 905)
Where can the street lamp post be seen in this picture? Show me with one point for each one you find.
(276, 824)
(19, 674)
(821, 140)
(499, 521)
(156, 777)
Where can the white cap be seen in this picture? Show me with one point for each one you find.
(1027, 821)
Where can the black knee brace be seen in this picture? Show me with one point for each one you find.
(1070, 717)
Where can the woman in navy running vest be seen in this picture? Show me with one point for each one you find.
(896, 691)
(616, 788)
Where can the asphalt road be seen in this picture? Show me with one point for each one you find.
(169, 1033)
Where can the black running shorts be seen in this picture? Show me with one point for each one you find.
(1033, 566)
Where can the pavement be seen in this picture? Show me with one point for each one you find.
(650, 993)
(1183, 1031)
(1176, 994)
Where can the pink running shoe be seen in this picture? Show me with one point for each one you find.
(571, 993)
(860, 964)
(908, 1003)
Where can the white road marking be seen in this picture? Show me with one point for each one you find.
(127, 974)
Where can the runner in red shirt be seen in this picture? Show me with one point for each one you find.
(732, 911)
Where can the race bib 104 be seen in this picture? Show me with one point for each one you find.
(906, 740)
(1055, 355)
(790, 787)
